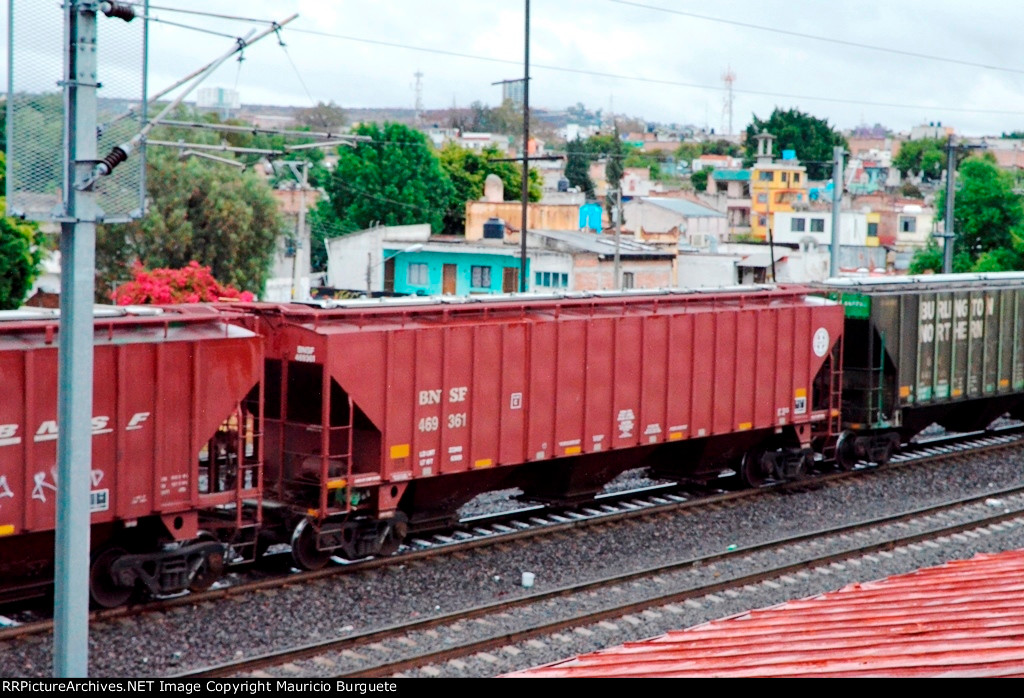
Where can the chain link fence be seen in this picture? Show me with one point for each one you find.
(35, 111)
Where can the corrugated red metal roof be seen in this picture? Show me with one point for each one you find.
(965, 618)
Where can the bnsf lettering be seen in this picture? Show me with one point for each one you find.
(9, 435)
(137, 419)
(430, 397)
(48, 431)
(457, 394)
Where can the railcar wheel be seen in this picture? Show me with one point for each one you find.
(104, 590)
(304, 550)
(752, 469)
(891, 447)
(806, 464)
(398, 529)
(210, 569)
(846, 455)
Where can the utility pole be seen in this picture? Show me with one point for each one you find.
(75, 347)
(301, 260)
(526, 149)
(618, 217)
(837, 200)
(947, 248)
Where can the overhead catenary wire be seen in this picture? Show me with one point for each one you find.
(827, 39)
(654, 81)
(203, 13)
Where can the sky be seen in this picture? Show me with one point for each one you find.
(661, 66)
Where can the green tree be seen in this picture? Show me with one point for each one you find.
(467, 170)
(927, 260)
(322, 117)
(395, 178)
(699, 179)
(811, 138)
(198, 210)
(577, 167)
(21, 253)
(925, 157)
(988, 214)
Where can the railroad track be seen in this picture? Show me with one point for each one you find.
(535, 520)
(464, 633)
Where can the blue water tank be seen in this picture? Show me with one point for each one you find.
(590, 216)
(789, 155)
(494, 229)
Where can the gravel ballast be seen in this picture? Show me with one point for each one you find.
(190, 637)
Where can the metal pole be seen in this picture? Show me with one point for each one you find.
(947, 251)
(526, 149)
(837, 200)
(369, 271)
(301, 263)
(618, 216)
(771, 246)
(75, 348)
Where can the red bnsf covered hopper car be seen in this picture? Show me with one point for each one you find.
(384, 418)
(175, 448)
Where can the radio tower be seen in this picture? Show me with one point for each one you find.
(728, 78)
(419, 95)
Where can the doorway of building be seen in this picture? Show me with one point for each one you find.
(448, 280)
(389, 276)
(510, 280)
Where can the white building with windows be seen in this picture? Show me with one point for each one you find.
(799, 227)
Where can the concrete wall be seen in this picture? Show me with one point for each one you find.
(590, 273)
(347, 259)
(538, 216)
(648, 221)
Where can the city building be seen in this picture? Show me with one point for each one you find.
(729, 192)
(774, 185)
(674, 221)
(408, 260)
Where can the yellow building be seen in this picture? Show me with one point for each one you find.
(775, 186)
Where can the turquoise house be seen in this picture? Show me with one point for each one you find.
(463, 270)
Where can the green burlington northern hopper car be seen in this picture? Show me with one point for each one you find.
(947, 349)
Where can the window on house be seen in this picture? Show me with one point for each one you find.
(552, 279)
(536, 279)
(798, 225)
(480, 277)
(417, 275)
(764, 176)
(817, 225)
(627, 279)
(762, 220)
(872, 230)
(762, 198)
(785, 177)
(796, 178)
(908, 224)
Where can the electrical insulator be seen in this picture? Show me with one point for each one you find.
(120, 10)
(115, 158)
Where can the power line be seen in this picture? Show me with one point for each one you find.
(654, 81)
(828, 39)
(201, 13)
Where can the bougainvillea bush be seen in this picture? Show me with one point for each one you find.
(193, 284)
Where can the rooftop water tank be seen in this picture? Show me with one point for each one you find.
(494, 229)
(563, 184)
